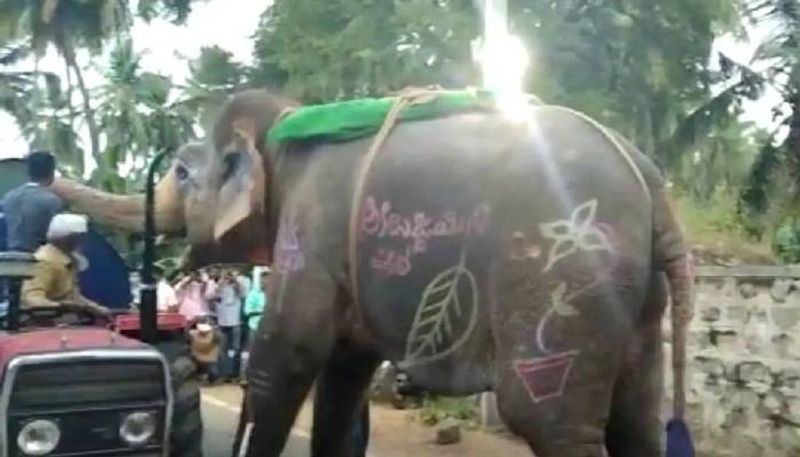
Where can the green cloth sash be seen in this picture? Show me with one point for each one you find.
(351, 119)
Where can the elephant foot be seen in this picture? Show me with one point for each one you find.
(571, 450)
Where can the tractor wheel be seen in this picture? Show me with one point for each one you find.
(186, 439)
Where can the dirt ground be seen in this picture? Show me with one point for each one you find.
(393, 433)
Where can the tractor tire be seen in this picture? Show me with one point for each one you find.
(186, 439)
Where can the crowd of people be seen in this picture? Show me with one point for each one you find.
(222, 307)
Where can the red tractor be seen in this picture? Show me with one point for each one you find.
(75, 384)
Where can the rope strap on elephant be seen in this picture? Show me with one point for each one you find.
(408, 98)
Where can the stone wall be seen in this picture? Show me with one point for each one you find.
(744, 362)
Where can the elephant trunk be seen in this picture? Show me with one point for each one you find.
(125, 212)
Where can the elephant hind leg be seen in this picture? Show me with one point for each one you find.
(339, 402)
(568, 425)
(634, 427)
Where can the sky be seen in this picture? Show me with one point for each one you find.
(167, 49)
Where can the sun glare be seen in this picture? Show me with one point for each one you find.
(504, 61)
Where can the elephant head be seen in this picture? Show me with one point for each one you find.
(214, 191)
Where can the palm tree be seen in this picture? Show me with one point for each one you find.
(138, 116)
(213, 75)
(35, 101)
(774, 183)
(68, 25)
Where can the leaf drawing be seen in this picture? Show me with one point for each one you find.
(432, 334)
(560, 305)
(579, 232)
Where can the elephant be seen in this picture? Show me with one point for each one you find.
(532, 257)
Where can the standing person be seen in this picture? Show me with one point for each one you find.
(191, 295)
(256, 302)
(230, 296)
(28, 209)
(211, 278)
(253, 308)
(167, 298)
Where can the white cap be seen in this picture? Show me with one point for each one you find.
(203, 327)
(66, 224)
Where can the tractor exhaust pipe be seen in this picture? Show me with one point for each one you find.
(148, 312)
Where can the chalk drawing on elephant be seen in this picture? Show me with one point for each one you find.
(545, 375)
(578, 233)
(432, 256)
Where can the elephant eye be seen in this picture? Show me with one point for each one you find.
(182, 173)
(230, 162)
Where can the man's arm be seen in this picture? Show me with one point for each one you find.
(83, 301)
(171, 299)
(210, 290)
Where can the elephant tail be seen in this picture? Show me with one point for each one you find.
(672, 256)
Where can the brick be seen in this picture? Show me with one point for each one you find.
(785, 317)
(712, 367)
(736, 314)
(772, 404)
(700, 339)
(747, 291)
(785, 345)
(711, 314)
(753, 372)
(780, 289)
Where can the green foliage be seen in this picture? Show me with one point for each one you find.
(213, 75)
(786, 239)
(712, 219)
(770, 199)
(640, 66)
(332, 50)
(722, 159)
(436, 409)
(176, 11)
(137, 119)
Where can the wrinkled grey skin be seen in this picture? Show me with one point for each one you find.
(527, 177)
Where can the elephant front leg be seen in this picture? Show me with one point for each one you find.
(339, 400)
(293, 342)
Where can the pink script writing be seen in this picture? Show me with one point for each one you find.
(378, 219)
(288, 253)
(391, 262)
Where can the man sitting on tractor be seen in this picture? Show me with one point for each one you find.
(55, 282)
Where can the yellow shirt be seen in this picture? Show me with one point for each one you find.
(55, 280)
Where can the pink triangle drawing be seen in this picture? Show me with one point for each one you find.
(545, 377)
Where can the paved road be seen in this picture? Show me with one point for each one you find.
(220, 414)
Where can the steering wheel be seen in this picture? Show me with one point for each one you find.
(63, 315)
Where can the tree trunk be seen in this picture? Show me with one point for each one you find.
(68, 52)
(792, 147)
(79, 161)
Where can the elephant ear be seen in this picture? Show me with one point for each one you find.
(242, 195)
